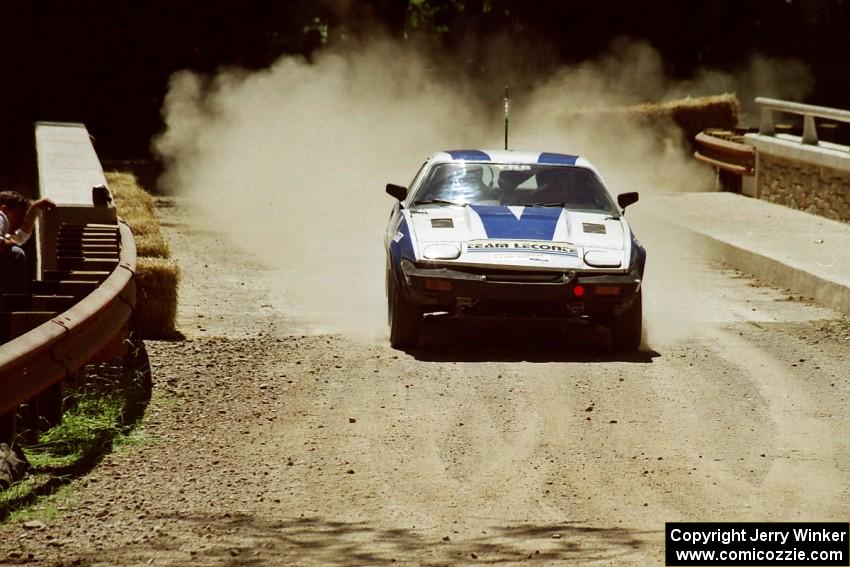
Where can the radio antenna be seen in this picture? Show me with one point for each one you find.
(507, 114)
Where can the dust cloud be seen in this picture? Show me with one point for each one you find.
(290, 162)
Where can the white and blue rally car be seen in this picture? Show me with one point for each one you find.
(512, 234)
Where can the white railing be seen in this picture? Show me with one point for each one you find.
(808, 111)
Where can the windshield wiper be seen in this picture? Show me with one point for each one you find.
(439, 202)
(567, 205)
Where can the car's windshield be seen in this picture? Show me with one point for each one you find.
(511, 184)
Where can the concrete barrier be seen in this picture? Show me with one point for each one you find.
(802, 252)
(68, 172)
(802, 172)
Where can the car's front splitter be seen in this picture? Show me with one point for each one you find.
(570, 293)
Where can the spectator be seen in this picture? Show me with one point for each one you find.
(17, 219)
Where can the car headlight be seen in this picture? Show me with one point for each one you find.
(441, 252)
(603, 258)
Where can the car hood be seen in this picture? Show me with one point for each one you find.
(522, 237)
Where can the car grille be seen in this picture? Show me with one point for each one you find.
(496, 275)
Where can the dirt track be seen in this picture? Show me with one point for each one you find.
(264, 445)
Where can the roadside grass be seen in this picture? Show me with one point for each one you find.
(86, 432)
(104, 408)
(65, 452)
(42, 499)
(84, 429)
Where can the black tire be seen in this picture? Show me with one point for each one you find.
(626, 329)
(404, 318)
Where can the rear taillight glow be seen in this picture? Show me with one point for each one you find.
(609, 290)
(438, 285)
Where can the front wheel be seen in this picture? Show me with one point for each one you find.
(404, 317)
(626, 329)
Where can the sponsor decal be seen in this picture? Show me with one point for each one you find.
(402, 242)
(557, 159)
(471, 155)
(505, 257)
(530, 246)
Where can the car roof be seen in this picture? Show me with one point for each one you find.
(509, 157)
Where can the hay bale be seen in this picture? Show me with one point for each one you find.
(141, 225)
(125, 189)
(157, 280)
(691, 115)
(133, 203)
(152, 246)
(157, 277)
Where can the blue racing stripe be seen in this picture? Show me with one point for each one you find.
(471, 155)
(533, 223)
(557, 159)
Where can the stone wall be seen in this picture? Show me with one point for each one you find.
(810, 187)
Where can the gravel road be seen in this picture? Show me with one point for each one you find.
(265, 444)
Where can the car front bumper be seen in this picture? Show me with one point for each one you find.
(487, 291)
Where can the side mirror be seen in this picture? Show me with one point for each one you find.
(397, 191)
(626, 199)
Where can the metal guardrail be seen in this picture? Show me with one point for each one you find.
(85, 290)
(808, 111)
(721, 150)
(53, 351)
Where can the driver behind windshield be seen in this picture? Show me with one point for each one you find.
(571, 187)
(552, 186)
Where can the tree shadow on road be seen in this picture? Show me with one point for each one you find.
(450, 340)
(244, 540)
